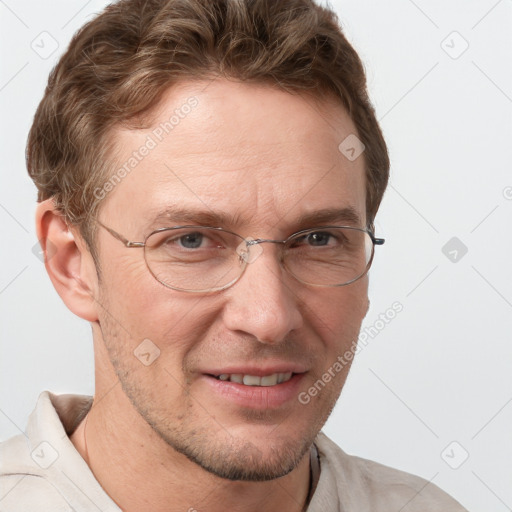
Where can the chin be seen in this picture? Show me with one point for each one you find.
(241, 460)
(250, 453)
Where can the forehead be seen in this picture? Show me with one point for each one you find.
(249, 153)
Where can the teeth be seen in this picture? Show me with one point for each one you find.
(269, 380)
(283, 377)
(254, 380)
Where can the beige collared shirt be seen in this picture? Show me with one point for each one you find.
(41, 471)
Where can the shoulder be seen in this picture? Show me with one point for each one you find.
(364, 483)
(21, 487)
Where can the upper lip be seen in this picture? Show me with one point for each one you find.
(258, 371)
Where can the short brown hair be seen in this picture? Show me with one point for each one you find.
(118, 65)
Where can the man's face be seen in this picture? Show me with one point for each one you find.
(262, 158)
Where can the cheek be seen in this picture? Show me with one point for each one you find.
(126, 273)
(143, 308)
(138, 297)
(338, 313)
(128, 297)
(336, 318)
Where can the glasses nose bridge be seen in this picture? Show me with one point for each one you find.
(253, 254)
(253, 242)
(256, 241)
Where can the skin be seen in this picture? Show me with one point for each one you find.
(157, 437)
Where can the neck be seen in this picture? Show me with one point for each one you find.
(139, 471)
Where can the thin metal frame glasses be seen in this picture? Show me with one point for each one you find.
(324, 256)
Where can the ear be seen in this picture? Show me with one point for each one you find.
(68, 261)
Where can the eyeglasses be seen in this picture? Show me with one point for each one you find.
(208, 259)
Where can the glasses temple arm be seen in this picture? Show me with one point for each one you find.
(119, 237)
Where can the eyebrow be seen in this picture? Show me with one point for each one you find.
(179, 215)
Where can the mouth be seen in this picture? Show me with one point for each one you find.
(255, 388)
(273, 379)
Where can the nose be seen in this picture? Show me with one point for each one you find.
(263, 302)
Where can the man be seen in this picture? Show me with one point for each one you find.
(208, 176)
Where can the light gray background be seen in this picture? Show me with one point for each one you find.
(440, 371)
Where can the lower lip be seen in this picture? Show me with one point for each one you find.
(256, 397)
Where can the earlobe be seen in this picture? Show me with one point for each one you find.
(67, 260)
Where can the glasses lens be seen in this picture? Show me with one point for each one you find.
(194, 259)
(329, 256)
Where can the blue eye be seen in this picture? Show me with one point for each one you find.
(319, 238)
(316, 239)
(191, 240)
